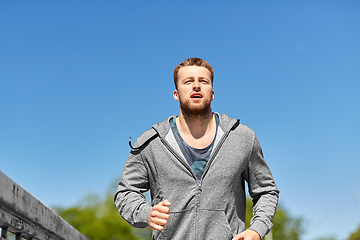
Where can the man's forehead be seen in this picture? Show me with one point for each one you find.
(194, 70)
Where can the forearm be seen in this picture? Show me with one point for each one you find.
(133, 207)
(129, 198)
(264, 210)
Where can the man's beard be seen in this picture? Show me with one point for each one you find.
(195, 110)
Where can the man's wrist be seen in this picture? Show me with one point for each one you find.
(260, 228)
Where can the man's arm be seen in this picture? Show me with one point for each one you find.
(129, 198)
(263, 190)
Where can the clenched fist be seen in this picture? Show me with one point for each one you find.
(159, 215)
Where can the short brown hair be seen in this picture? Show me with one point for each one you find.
(193, 62)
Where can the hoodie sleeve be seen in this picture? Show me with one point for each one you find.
(129, 198)
(263, 190)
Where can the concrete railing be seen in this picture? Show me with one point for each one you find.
(27, 218)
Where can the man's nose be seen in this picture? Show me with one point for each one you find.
(196, 85)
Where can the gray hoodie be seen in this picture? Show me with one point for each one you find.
(213, 207)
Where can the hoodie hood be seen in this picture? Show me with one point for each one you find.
(162, 129)
(225, 123)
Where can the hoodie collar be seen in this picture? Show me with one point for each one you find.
(225, 122)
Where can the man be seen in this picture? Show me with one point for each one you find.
(195, 166)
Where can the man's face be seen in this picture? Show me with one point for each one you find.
(194, 90)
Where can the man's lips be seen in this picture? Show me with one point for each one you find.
(196, 95)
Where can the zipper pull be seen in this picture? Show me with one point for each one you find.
(199, 187)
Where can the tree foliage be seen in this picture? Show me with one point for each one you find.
(99, 220)
(355, 235)
(285, 226)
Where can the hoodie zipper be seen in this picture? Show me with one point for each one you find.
(179, 158)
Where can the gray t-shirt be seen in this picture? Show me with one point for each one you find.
(196, 158)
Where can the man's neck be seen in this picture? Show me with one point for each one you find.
(197, 131)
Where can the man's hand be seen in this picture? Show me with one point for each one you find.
(247, 235)
(159, 215)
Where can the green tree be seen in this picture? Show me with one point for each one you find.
(99, 220)
(285, 226)
(355, 235)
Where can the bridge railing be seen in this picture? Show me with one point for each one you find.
(27, 218)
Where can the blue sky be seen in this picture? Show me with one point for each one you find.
(78, 78)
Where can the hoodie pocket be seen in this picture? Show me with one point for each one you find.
(213, 224)
(180, 225)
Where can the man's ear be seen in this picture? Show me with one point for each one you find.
(212, 95)
(176, 95)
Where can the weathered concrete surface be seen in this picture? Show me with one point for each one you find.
(22, 212)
